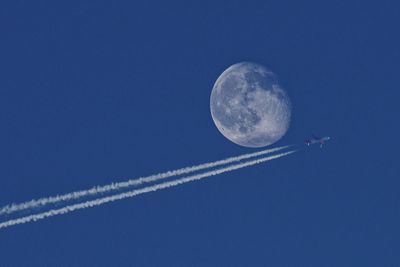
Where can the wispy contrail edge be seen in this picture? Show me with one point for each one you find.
(101, 201)
(35, 203)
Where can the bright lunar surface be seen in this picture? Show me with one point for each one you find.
(249, 107)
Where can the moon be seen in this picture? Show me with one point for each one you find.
(248, 105)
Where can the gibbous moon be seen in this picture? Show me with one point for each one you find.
(248, 105)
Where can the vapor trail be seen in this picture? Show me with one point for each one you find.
(35, 203)
(101, 201)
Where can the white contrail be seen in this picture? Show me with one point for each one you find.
(101, 201)
(35, 203)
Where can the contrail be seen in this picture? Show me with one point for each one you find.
(35, 203)
(101, 201)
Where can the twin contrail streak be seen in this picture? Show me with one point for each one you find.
(35, 203)
(103, 200)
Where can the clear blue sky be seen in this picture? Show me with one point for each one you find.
(97, 91)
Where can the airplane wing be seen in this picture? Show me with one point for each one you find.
(321, 143)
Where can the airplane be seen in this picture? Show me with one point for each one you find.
(317, 140)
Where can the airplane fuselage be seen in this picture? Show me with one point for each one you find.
(320, 141)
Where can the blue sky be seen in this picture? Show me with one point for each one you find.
(95, 92)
